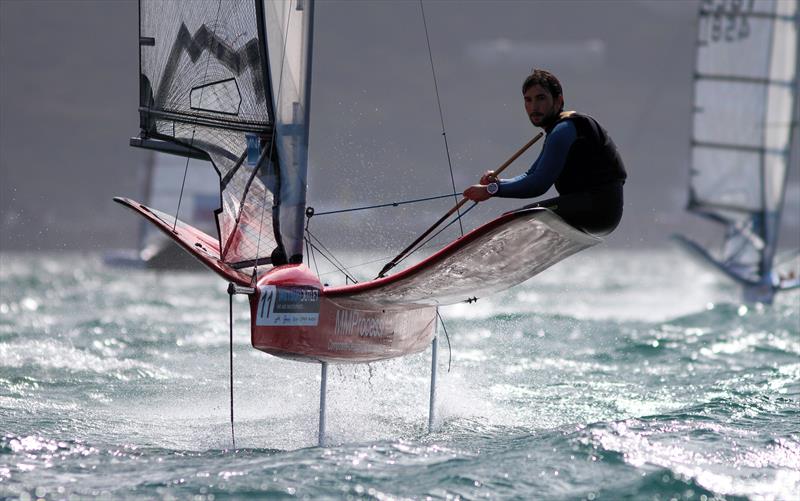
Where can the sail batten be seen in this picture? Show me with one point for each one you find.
(738, 147)
(745, 79)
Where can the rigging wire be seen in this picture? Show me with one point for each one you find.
(314, 258)
(194, 127)
(341, 268)
(373, 261)
(441, 114)
(390, 204)
(308, 244)
(337, 261)
(332, 259)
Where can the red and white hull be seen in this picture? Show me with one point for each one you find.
(291, 317)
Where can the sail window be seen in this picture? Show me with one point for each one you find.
(219, 97)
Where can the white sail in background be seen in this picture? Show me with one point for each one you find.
(744, 112)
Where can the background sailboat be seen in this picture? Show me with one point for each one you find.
(745, 116)
(162, 179)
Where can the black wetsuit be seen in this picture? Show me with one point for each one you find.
(583, 163)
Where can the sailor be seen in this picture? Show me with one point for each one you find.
(578, 157)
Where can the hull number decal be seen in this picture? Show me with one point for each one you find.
(287, 306)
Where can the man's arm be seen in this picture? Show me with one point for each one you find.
(544, 172)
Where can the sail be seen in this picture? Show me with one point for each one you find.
(207, 83)
(744, 101)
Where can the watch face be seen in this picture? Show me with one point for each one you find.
(492, 188)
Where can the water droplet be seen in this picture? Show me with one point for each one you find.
(29, 304)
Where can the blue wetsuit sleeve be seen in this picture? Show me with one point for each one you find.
(546, 169)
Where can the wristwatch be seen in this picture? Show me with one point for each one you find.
(492, 188)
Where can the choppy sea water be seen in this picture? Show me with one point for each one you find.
(613, 375)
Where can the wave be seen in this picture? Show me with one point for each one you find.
(49, 355)
(723, 456)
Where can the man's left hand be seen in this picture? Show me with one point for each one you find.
(477, 193)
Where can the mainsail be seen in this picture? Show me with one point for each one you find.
(230, 81)
(744, 101)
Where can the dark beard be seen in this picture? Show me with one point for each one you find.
(549, 122)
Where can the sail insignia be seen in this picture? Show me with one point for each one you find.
(220, 97)
(206, 41)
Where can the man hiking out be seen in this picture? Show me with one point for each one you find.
(578, 157)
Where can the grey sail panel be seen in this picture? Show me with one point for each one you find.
(744, 98)
(206, 83)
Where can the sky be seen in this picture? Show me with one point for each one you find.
(69, 95)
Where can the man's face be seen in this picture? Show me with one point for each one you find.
(540, 105)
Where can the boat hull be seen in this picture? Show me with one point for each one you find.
(292, 318)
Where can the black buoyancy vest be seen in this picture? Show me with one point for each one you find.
(592, 160)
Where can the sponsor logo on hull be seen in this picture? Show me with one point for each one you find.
(287, 306)
(374, 327)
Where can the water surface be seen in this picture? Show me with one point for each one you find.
(614, 375)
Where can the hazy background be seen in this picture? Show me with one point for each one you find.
(68, 100)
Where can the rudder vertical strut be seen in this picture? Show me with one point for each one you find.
(323, 386)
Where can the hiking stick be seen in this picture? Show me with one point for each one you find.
(391, 264)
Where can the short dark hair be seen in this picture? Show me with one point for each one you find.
(545, 79)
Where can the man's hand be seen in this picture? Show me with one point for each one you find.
(489, 177)
(477, 193)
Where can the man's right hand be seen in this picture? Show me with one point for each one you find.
(489, 177)
(477, 193)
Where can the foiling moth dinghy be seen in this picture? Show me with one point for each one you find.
(229, 82)
(294, 316)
